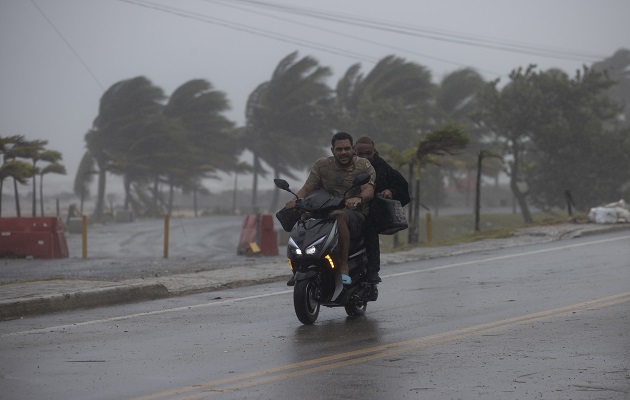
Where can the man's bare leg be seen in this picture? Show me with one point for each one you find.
(344, 240)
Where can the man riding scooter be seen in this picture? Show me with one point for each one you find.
(335, 175)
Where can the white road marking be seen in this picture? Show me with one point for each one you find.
(283, 292)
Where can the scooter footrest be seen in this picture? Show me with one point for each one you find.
(370, 293)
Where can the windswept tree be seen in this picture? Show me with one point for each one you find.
(579, 145)
(456, 97)
(213, 144)
(449, 140)
(391, 104)
(288, 118)
(20, 173)
(617, 68)
(456, 101)
(32, 150)
(125, 111)
(84, 178)
(511, 114)
(13, 168)
(558, 134)
(164, 152)
(53, 166)
(35, 151)
(150, 144)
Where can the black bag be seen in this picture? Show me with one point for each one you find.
(388, 215)
(288, 217)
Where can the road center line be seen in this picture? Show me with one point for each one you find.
(283, 292)
(339, 360)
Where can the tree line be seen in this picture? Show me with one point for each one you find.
(549, 132)
(20, 158)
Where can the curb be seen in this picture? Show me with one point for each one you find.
(605, 229)
(82, 300)
(232, 284)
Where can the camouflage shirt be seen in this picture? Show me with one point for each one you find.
(326, 174)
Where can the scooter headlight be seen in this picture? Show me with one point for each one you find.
(316, 246)
(294, 247)
(312, 249)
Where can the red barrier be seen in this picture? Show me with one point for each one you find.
(268, 237)
(248, 233)
(37, 237)
(265, 239)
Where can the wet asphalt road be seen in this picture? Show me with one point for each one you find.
(544, 321)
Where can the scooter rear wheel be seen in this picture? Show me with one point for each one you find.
(356, 309)
(304, 302)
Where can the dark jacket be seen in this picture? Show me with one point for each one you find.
(388, 178)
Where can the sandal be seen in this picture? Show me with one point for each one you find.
(345, 279)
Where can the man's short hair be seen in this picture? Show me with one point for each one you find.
(365, 140)
(341, 136)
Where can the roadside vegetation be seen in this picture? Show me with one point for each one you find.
(558, 138)
(453, 229)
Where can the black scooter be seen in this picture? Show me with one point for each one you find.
(312, 250)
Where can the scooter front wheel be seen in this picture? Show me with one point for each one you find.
(304, 301)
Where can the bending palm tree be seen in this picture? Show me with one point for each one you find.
(125, 110)
(52, 157)
(288, 118)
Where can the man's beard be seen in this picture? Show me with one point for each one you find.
(344, 161)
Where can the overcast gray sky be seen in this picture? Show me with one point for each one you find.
(58, 56)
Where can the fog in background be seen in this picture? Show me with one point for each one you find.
(57, 57)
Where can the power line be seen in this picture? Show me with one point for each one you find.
(245, 28)
(78, 57)
(363, 39)
(427, 33)
(397, 28)
(281, 37)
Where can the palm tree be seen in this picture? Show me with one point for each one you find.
(20, 171)
(13, 148)
(456, 103)
(285, 113)
(154, 158)
(7, 167)
(12, 168)
(457, 95)
(52, 157)
(448, 140)
(213, 144)
(83, 178)
(391, 104)
(125, 110)
(33, 150)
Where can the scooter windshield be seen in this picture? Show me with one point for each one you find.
(320, 200)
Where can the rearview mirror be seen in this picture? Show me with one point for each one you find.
(281, 184)
(361, 179)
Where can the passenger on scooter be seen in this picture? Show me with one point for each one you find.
(391, 185)
(334, 175)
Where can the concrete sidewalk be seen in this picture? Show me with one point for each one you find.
(24, 299)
